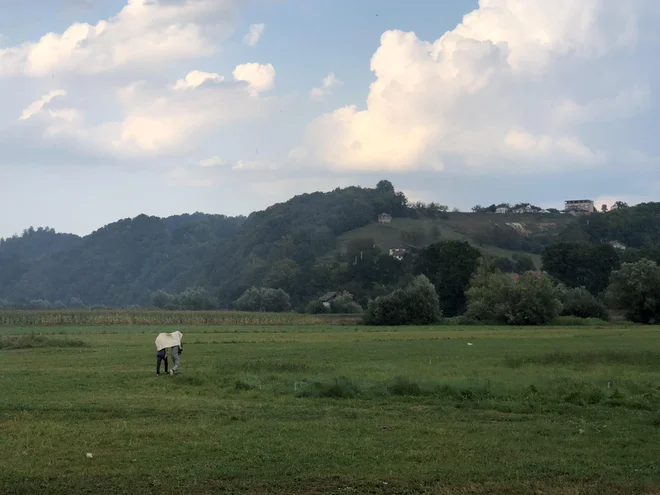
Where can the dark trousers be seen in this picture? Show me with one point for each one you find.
(158, 360)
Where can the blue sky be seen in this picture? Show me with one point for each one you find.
(115, 108)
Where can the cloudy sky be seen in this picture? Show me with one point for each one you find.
(113, 108)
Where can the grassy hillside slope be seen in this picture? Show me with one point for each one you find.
(461, 227)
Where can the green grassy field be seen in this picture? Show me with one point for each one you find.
(330, 409)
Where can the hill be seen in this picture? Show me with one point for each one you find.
(121, 263)
(495, 235)
(308, 245)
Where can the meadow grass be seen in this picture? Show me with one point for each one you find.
(332, 409)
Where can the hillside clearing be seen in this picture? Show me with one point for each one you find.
(459, 227)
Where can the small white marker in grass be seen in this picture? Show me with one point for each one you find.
(89, 455)
(469, 343)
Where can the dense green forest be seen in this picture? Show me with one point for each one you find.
(313, 244)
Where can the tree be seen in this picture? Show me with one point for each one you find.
(385, 187)
(619, 205)
(504, 265)
(635, 289)
(345, 304)
(581, 303)
(416, 304)
(497, 297)
(414, 237)
(603, 208)
(160, 299)
(316, 307)
(264, 300)
(523, 263)
(580, 264)
(196, 299)
(478, 209)
(282, 275)
(449, 265)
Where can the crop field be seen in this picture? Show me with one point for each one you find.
(315, 409)
(151, 317)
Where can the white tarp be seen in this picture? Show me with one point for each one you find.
(165, 340)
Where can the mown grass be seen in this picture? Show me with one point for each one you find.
(329, 409)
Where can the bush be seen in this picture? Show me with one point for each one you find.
(498, 298)
(416, 304)
(263, 299)
(581, 303)
(316, 307)
(192, 299)
(635, 289)
(576, 321)
(160, 299)
(196, 299)
(505, 265)
(345, 304)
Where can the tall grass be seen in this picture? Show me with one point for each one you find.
(151, 317)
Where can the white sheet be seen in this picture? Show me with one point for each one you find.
(165, 340)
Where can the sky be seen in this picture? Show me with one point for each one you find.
(110, 109)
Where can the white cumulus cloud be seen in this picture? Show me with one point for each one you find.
(260, 78)
(325, 90)
(257, 165)
(517, 82)
(36, 106)
(196, 78)
(143, 34)
(212, 161)
(176, 119)
(254, 34)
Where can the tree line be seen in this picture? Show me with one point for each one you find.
(296, 247)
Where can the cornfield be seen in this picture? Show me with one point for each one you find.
(151, 317)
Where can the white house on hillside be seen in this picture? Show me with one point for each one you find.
(398, 253)
(579, 206)
(384, 218)
(617, 245)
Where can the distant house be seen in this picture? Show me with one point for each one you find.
(327, 298)
(579, 206)
(501, 210)
(384, 218)
(617, 245)
(398, 253)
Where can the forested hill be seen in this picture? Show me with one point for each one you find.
(119, 264)
(306, 246)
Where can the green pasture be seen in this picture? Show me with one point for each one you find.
(331, 409)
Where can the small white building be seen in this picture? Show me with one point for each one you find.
(384, 218)
(327, 298)
(398, 253)
(617, 245)
(502, 210)
(579, 206)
